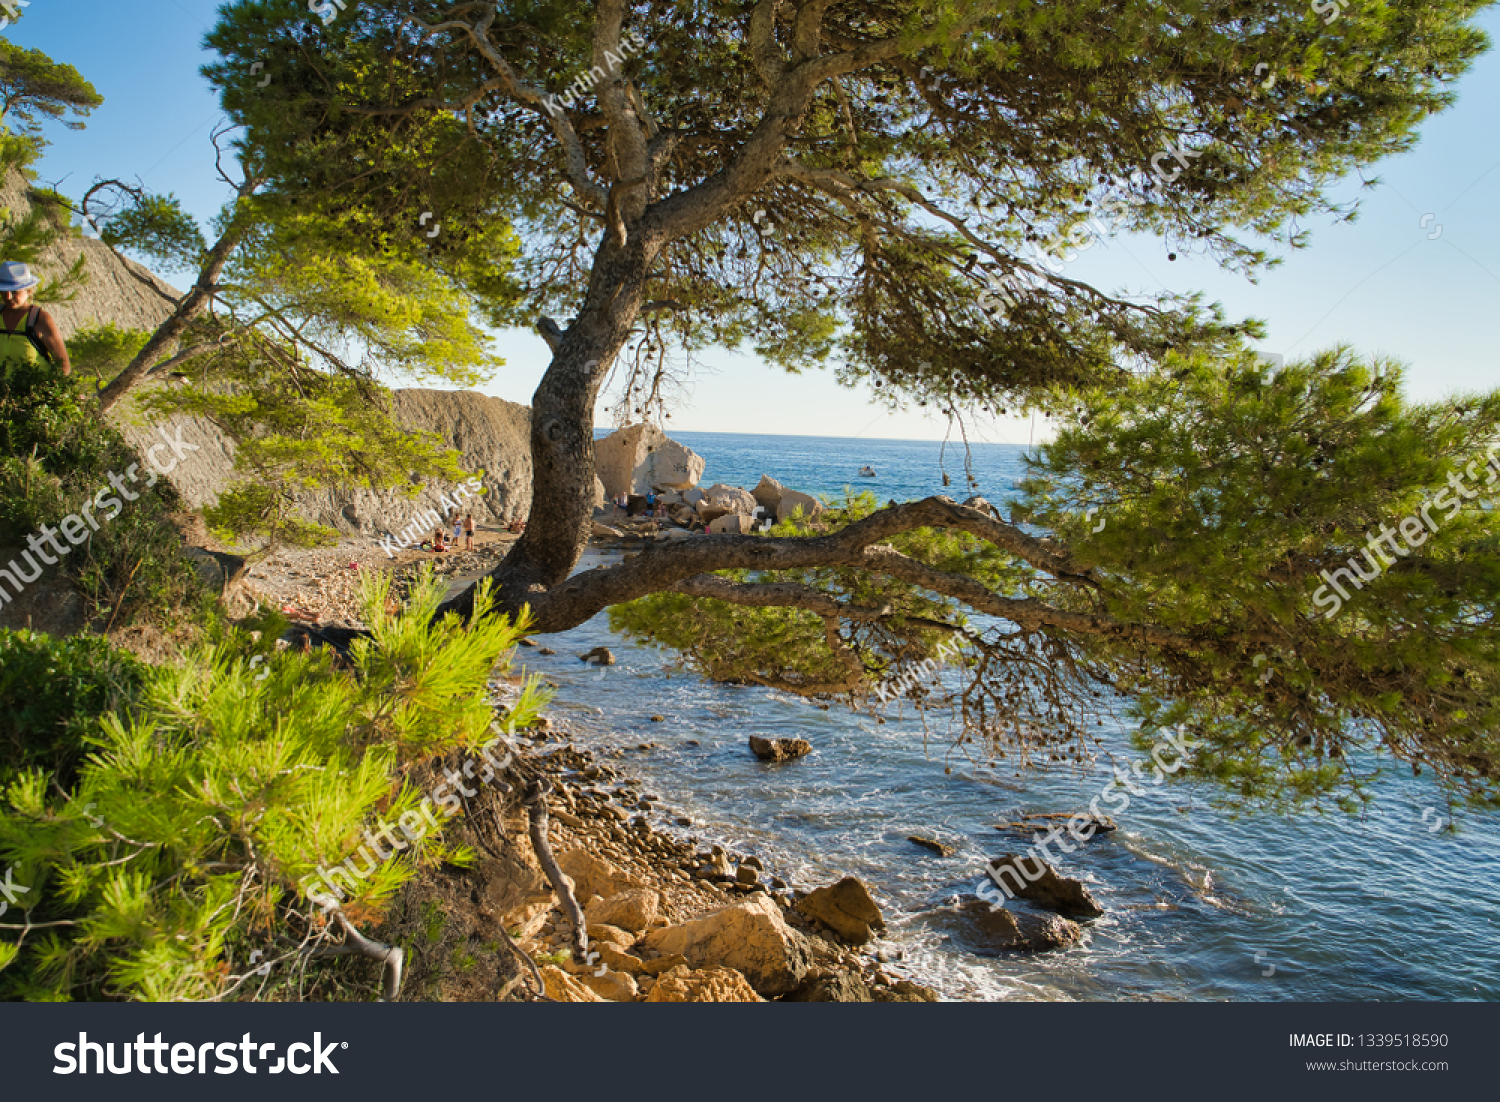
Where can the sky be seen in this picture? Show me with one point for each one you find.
(1416, 277)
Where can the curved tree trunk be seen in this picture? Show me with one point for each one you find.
(562, 431)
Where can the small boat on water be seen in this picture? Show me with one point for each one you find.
(867, 472)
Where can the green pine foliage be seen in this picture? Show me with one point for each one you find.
(1225, 494)
(184, 840)
(1209, 502)
(51, 692)
(35, 89)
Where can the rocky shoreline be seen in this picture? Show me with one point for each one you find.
(666, 920)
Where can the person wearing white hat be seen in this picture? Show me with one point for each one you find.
(30, 333)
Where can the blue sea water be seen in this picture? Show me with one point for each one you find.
(1201, 904)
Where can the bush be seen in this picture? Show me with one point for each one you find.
(53, 691)
(55, 456)
(193, 824)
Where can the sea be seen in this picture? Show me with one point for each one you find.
(1201, 902)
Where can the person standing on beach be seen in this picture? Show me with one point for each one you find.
(469, 532)
(31, 335)
(458, 528)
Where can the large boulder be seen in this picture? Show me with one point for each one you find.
(615, 987)
(591, 875)
(567, 989)
(729, 499)
(639, 458)
(733, 524)
(845, 908)
(768, 492)
(708, 985)
(633, 910)
(750, 937)
(1031, 878)
(793, 500)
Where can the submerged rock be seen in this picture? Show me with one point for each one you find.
(779, 749)
(942, 849)
(599, 656)
(1032, 879)
(988, 930)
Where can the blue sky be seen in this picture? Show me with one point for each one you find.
(1423, 289)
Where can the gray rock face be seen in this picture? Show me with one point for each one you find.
(640, 458)
(490, 434)
(112, 293)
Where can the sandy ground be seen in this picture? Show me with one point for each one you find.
(322, 585)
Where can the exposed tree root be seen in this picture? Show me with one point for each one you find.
(536, 808)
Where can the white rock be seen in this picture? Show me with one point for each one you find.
(768, 492)
(791, 500)
(639, 458)
(731, 499)
(734, 524)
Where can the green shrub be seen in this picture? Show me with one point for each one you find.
(51, 692)
(55, 456)
(199, 813)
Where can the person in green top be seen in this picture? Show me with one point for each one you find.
(30, 332)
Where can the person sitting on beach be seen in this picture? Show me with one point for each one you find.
(31, 335)
(438, 543)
